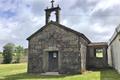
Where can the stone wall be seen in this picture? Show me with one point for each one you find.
(55, 38)
(83, 51)
(93, 61)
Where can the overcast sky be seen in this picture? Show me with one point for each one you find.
(97, 19)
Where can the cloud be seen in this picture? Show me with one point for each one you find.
(97, 19)
(105, 4)
(18, 27)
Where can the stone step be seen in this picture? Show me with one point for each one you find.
(50, 73)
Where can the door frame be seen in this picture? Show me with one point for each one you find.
(45, 58)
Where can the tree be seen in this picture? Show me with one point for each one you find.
(7, 53)
(1, 52)
(19, 50)
(25, 51)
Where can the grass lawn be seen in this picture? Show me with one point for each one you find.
(18, 72)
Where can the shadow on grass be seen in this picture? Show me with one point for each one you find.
(33, 76)
(109, 74)
(105, 74)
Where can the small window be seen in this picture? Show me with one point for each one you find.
(54, 55)
(99, 53)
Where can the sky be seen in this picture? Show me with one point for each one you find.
(97, 19)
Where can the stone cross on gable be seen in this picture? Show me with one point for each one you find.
(52, 3)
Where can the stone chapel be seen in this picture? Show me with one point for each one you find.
(57, 48)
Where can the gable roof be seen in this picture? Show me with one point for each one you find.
(61, 26)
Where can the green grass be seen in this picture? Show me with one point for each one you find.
(18, 72)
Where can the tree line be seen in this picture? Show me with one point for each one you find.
(10, 50)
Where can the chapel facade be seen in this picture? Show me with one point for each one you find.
(57, 48)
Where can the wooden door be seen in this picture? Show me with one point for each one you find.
(53, 61)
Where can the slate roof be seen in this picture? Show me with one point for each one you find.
(98, 44)
(61, 26)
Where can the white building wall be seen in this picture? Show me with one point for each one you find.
(109, 56)
(114, 51)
